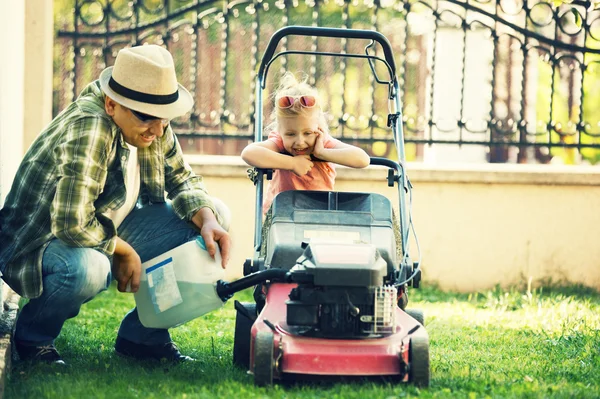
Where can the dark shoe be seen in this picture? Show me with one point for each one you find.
(167, 351)
(45, 353)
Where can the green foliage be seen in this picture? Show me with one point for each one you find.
(552, 105)
(496, 343)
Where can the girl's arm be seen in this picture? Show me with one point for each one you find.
(265, 154)
(342, 154)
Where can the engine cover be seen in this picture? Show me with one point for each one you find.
(341, 264)
(340, 292)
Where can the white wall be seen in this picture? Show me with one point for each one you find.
(39, 42)
(12, 72)
(478, 225)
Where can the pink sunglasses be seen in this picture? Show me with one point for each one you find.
(288, 101)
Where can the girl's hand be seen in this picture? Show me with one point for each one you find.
(302, 165)
(319, 147)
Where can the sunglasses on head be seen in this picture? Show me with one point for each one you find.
(288, 101)
(147, 118)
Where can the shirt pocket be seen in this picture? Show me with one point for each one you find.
(113, 193)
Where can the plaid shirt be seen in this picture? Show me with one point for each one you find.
(71, 175)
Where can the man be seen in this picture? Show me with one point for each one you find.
(71, 215)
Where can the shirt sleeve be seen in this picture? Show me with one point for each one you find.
(185, 189)
(81, 168)
(275, 137)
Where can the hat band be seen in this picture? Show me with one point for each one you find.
(142, 97)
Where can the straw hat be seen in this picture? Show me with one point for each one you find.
(143, 79)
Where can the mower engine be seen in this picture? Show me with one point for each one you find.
(341, 293)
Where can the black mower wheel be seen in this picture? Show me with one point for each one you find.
(403, 301)
(263, 358)
(244, 319)
(417, 314)
(418, 360)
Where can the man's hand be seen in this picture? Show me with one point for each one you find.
(126, 267)
(302, 165)
(212, 232)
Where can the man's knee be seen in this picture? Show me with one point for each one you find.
(95, 273)
(86, 272)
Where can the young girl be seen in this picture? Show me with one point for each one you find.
(297, 140)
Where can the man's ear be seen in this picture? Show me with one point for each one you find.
(109, 106)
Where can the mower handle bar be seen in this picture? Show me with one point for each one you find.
(326, 32)
(373, 161)
(386, 162)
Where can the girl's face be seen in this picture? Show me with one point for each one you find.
(299, 132)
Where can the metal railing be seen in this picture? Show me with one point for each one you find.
(497, 81)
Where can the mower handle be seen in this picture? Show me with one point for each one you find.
(373, 161)
(395, 171)
(326, 32)
(386, 162)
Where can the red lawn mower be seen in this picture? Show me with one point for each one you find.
(331, 288)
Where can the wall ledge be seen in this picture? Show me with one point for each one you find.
(578, 175)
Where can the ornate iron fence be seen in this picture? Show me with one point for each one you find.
(495, 80)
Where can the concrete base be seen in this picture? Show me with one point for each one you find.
(7, 324)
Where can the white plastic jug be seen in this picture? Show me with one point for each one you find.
(179, 286)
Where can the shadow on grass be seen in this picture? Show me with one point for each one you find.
(577, 291)
(544, 290)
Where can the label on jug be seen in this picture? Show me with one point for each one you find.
(162, 285)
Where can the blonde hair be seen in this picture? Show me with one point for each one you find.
(290, 86)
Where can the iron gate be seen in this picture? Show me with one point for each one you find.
(488, 80)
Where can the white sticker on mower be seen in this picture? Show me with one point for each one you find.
(162, 285)
(332, 235)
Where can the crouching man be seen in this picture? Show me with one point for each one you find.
(88, 205)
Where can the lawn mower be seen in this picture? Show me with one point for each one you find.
(331, 288)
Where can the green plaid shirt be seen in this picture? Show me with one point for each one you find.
(71, 175)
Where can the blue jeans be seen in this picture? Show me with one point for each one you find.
(72, 276)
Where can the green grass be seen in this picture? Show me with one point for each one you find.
(544, 343)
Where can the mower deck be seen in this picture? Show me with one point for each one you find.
(291, 353)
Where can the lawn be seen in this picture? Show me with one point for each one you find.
(515, 343)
